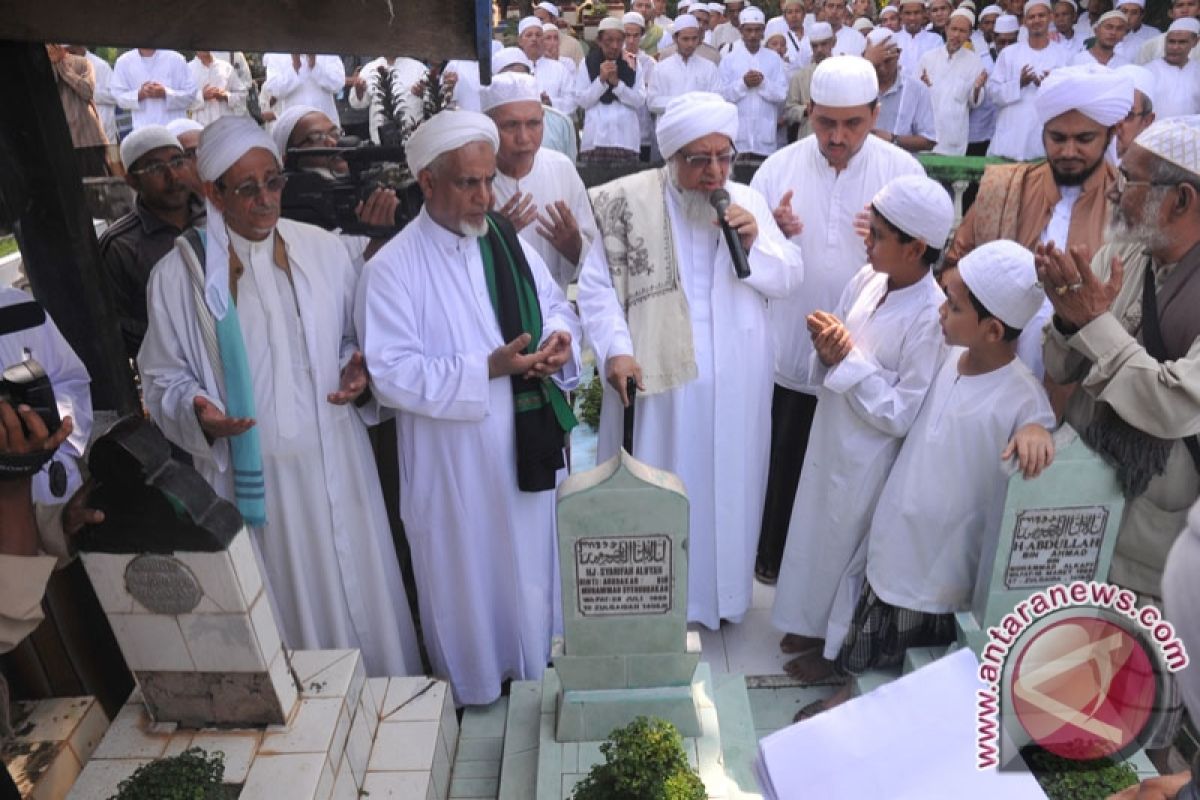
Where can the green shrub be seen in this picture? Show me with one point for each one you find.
(642, 761)
(1065, 779)
(191, 775)
(589, 403)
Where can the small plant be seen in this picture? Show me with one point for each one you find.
(589, 403)
(1066, 779)
(191, 775)
(642, 761)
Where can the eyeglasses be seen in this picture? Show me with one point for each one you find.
(250, 189)
(159, 169)
(701, 160)
(1123, 182)
(319, 137)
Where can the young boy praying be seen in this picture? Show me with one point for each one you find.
(942, 505)
(875, 358)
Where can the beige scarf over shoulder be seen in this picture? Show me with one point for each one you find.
(631, 213)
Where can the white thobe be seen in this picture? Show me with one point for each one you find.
(72, 390)
(758, 107)
(913, 47)
(1156, 48)
(646, 67)
(326, 549)
(674, 76)
(166, 67)
(849, 42)
(612, 124)
(1176, 89)
(483, 551)
(1085, 57)
(314, 86)
(1018, 130)
(466, 91)
(406, 72)
(725, 34)
(221, 75)
(1132, 44)
(799, 50)
(982, 118)
(943, 503)
(558, 83)
(865, 406)
(952, 95)
(106, 104)
(552, 178)
(714, 431)
(905, 109)
(826, 202)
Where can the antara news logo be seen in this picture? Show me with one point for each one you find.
(1080, 670)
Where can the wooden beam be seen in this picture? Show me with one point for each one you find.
(428, 29)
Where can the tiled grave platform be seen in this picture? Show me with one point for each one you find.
(53, 740)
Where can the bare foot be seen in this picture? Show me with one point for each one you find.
(810, 668)
(816, 707)
(793, 643)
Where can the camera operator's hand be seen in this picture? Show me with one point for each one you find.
(33, 437)
(353, 381)
(215, 424)
(23, 432)
(76, 515)
(379, 209)
(520, 210)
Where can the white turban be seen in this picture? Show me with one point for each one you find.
(634, 18)
(752, 15)
(863, 25)
(820, 32)
(776, 27)
(143, 140)
(222, 143)
(991, 11)
(965, 14)
(1003, 279)
(1093, 90)
(1138, 3)
(611, 24)
(880, 35)
(446, 131)
(1007, 24)
(1143, 79)
(1107, 15)
(549, 8)
(693, 115)
(183, 125)
(509, 87)
(1188, 24)
(845, 81)
(527, 23)
(686, 22)
(508, 57)
(281, 131)
(1030, 4)
(1176, 140)
(918, 206)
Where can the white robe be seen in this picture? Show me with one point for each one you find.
(558, 83)
(826, 202)
(982, 119)
(673, 76)
(1176, 89)
(912, 48)
(866, 404)
(1130, 47)
(758, 107)
(610, 124)
(942, 505)
(166, 67)
(327, 548)
(466, 91)
(222, 75)
(106, 104)
(483, 551)
(714, 431)
(1085, 57)
(314, 86)
(1018, 130)
(952, 95)
(405, 73)
(552, 178)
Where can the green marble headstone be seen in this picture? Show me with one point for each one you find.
(1059, 528)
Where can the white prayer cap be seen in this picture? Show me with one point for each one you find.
(550, 9)
(922, 3)
(281, 131)
(509, 87)
(508, 57)
(863, 25)
(634, 18)
(787, 3)
(692, 115)
(845, 81)
(1031, 4)
(549, 27)
(183, 125)
(700, 8)
(227, 139)
(685, 22)
(820, 32)
(752, 15)
(1143, 79)
(1107, 15)
(880, 35)
(919, 206)
(611, 24)
(1138, 3)
(1004, 280)
(965, 14)
(1071, 3)
(1007, 24)
(682, 5)
(991, 11)
(716, 8)
(143, 140)
(776, 27)
(527, 23)
(1176, 140)
(888, 11)
(446, 131)
(1188, 24)
(1091, 89)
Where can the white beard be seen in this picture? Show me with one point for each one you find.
(695, 205)
(473, 231)
(1145, 233)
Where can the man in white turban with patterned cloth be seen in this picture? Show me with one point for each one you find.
(471, 340)
(250, 363)
(694, 335)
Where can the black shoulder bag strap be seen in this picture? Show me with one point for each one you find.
(1156, 347)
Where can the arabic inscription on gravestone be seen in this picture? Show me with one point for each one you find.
(623, 575)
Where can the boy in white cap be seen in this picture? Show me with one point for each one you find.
(1176, 76)
(754, 79)
(873, 360)
(939, 514)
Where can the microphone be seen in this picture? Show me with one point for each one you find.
(720, 201)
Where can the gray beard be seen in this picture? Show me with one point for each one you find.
(694, 205)
(1145, 234)
(473, 231)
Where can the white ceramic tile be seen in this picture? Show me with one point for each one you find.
(325, 784)
(358, 679)
(245, 565)
(293, 776)
(404, 746)
(344, 787)
(325, 673)
(151, 642)
(310, 731)
(450, 728)
(712, 647)
(752, 645)
(441, 768)
(51, 720)
(285, 686)
(222, 642)
(358, 748)
(217, 579)
(367, 709)
(410, 699)
(57, 779)
(398, 785)
(338, 747)
(127, 736)
(89, 731)
(181, 741)
(106, 571)
(379, 689)
(239, 747)
(763, 596)
(100, 779)
(266, 632)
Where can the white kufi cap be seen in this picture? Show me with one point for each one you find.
(183, 125)
(880, 35)
(991, 11)
(820, 32)
(143, 140)
(965, 14)
(1003, 279)
(509, 87)
(844, 81)
(1138, 3)
(919, 206)
(693, 115)
(508, 57)
(752, 15)
(550, 9)
(611, 24)
(1188, 24)
(888, 11)
(776, 27)
(1176, 140)
(527, 23)
(1107, 15)
(863, 25)
(634, 18)
(685, 22)
(1030, 4)
(1091, 89)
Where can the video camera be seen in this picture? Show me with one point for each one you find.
(329, 200)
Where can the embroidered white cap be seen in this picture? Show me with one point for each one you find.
(919, 206)
(1176, 140)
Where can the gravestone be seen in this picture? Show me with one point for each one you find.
(1058, 528)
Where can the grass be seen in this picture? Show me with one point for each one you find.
(8, 245)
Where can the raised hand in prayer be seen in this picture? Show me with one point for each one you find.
(753, 78)
(608, 72)
(559, 227)
(1076, 293)
(830, 338)
(1033, 447)
(618, 370)
(1028, 76)
(214, 93)
(925, 78)
(214, 423)
(520, 210)
(786, 218)
(744, 223)
(353, 381)
(510, 359)
(556, 351)
(151, 89)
